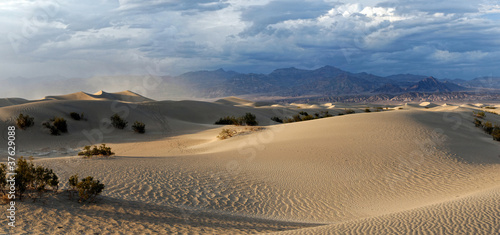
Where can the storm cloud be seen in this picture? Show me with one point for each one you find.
(451, 39)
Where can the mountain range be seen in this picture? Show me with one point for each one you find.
(325, 81)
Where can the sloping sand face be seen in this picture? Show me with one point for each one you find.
(396, 172)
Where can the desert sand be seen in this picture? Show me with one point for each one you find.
(418, 168)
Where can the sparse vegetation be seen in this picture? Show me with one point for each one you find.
(350, 111)
(367, 110)
(477, 122)
(56, 126)
(496, 133)
(118, 122)
(488, 127)
(277, 119)
(228, 120)
(304, 116)
(90, 151)
(24, 121)
(88, 188)
(490, 107)
(248, 119)
(226, 133)
(76, 116)
(479, 114)
(139, 127)
(30, 180)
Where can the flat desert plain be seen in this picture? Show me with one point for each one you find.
(419, 168)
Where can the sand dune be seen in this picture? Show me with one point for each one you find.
(235, 101)
(413, 170)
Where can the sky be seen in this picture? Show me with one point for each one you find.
(81, 39)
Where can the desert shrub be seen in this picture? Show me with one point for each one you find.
(479, 114)
(496, 133)
(73, 181)
(400, 108)
(3, 177)
(24, 176)
(488, 127)
(118, 122)
(316, 115)
(490, 107)
(297, 118)
(277, 119)
(325, 114)
(250, 120)
(139, 127)
(367, 110)
(34, 179)
(228, 120)
(308, 117)
(53, 129)
(60, 124)
(226, 133)
(477, 122)
(303, 113)
(24, 121)
(56, 126)
(89, 151)
(349, 111)
(43, 177)
(89, 188)
(75, 116)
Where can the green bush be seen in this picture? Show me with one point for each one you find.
(277, 119)
(250, 120)
(3, 177)
(139, 127)
(56, 126)
(73, 181)
(477, 122)
(118, 122)
(496, 133)
(95, 151)
(297, 118)
(488, 127)
(325, 114)
(307, 118)
(350, 111)
(228, 120)
(303, 113)
(33, 179)
(480, 114)
(60, 124)
(24, 122)
(75, 116)
(89, 188)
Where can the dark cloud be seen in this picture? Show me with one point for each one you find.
(444, 39)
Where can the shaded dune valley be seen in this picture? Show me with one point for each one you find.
(412, 168)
